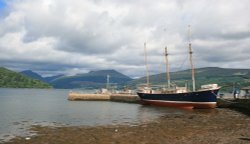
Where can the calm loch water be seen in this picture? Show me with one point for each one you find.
(22, 108)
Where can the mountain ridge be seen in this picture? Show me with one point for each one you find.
(11, 79)
(31, 74)
(92, 79)
(206, 75)
(98, 78)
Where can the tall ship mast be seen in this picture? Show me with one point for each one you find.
(191, 58)
(146, 64)
(167, 67)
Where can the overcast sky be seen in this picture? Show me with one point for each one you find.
(75, 36)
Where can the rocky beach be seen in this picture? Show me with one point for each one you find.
(222, 125)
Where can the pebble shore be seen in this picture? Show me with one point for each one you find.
(221, 125)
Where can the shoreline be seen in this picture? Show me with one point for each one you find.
(222, 125)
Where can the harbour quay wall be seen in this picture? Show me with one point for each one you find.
(125, 98)
(243, 104)
(83, 96)
(130, 98)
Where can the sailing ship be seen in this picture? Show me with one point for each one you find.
(205, 97)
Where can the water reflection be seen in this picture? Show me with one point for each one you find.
(21, 108)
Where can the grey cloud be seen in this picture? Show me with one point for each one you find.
(98, 34)
(77, 36)
(236, 35)
(223, 54)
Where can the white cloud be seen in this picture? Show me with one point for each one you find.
(80, 35)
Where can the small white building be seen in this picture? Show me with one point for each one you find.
(245, 92)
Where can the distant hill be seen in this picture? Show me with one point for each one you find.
(32, 74)
(93, 79)
(97, 79)
(11, 79)
(52, 78)
(221, 76)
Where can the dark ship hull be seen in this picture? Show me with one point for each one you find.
(198, 99)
